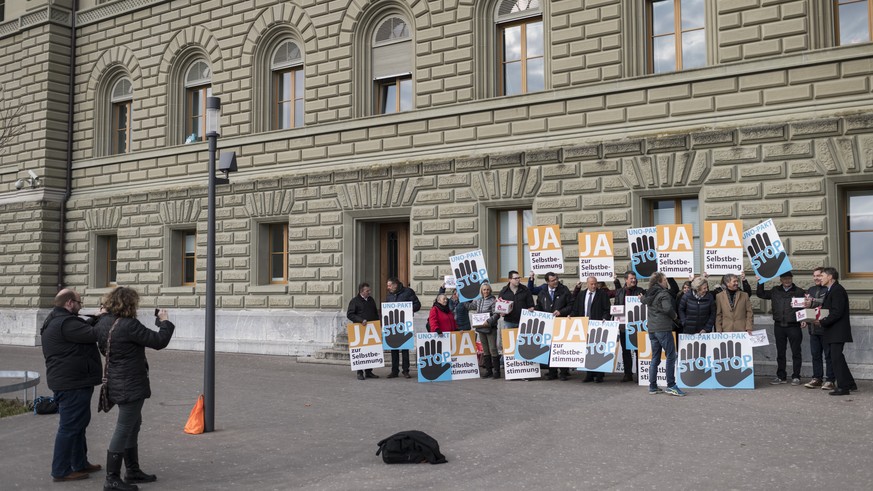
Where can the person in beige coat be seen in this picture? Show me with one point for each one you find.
(733, 308)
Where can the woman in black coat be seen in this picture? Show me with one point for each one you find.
(123, 339)
(697, 308)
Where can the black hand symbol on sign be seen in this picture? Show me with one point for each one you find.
(645, 265)
(767, 266)
(693, 376)
(470, 289)
(430, 349)
(530, 329)
(593, 359)
(728, 376)
(395, 338)
(635, 319)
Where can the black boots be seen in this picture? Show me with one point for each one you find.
(113, 473)
(496, 362)
(132, 472)
(487, 361)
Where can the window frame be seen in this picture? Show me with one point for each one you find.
(397, 81)
(185, 233)
(845, 231)
(650, 203)
(501, 61)
(677, 32)
(835, 6)
(272, 253)
(117, 128)
(201, 89)
(292, 68)
(521, 242)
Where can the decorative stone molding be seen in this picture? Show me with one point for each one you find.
(103, 218)
(112, 9)
(50, 13)
(507, 183)
(269, 204)
(381, 194)
(179, 212)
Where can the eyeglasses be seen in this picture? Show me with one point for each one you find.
(515, 278)
(79, 302)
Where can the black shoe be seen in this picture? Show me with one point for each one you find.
(113, 473)
(370, 375)
(853, 388)
(587, 380)
(563, 377)
(628, 377)
(392, 375)
(133, 474)
(406, 375)
(551, 376)
(486, 373)
(840, 392)
(598, 380)
(360, 376)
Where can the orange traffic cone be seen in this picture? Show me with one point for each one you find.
(197, 419)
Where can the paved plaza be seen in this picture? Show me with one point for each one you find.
(287, 425)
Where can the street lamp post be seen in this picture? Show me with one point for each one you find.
(213, 113)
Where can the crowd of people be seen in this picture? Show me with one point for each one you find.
(692, 309)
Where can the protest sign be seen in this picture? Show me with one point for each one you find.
(534, 336)
(758, 338)
(675, 250)
(479, 320)
(464, 362)
(365, 346)
(719, 360)
(470, 273)
(545, 251)
(449, 281)
(397, 330)
(596, 256)
(644, 253)
(513, 367)
(766, 251)
(619, 361)
(722, 247)
(635, 320)
(644, 361)
(600, 344)
(434, 356)
(568, 342)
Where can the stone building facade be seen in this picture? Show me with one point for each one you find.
(777, 122)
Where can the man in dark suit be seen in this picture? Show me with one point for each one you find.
(630, 290)
(837, 330)
(594, 304)
(362, 309)
(554, 297)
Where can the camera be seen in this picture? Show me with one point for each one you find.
(157, 311)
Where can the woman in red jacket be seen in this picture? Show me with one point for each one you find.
(441, 318)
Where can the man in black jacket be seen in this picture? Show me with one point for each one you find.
(362, 309)
(837, 330)
(631, 289)
(822, 373)
(73, 368)
(555, 298)
(399, 293)
(593, 303)
(786, 329)
(520, 297)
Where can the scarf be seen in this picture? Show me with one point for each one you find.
(445, 308)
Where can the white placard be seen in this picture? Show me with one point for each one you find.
(596, 256)
(470, 273)
(545, 252)
(722, 247)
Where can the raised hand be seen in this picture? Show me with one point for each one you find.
(528, 331)
(693, 376)
(395, 335)
(636, 322)
(764, 257)
(429, 367)
(728, 376)
(464, 274)
(644, 256)
(593, 359)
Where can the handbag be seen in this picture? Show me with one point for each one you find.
(104, 404)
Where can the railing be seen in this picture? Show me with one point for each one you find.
(31, 380)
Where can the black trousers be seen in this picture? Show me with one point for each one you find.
(845, 380)
(792, 335)
(626, 357)
(395, 355)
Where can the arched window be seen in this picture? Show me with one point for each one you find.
(286, 65)
(521, 47)
(198, 86)
(121, 100)
(392, 59)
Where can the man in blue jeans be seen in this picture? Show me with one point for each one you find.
(822, 373)
(661, 313)
(73, 368)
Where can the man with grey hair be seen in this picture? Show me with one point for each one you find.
(786, 328)
(837, 329)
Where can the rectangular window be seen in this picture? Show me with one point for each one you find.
(858, 230)
(394, 94)
(120, 127)
(512, 248)
(189, 257)
(288, 97)
(2, 10)
(278, 252)
(853, 21)
(196, 118)
(677, 35)
(522, 65)
(107, 252)
(679, 210)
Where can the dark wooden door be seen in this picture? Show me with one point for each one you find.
(394, 259)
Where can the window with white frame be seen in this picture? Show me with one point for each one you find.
(198, 86)
(286, 66)
(393, 64)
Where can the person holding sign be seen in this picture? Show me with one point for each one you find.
(786, 328)
(630, 290)
(399, 293)
(459, 309)
(519, 295)
(594, 304)
(820, 377)
(837, 330)
(733, 307)
(362, 309)
(487, 330)
(441, 318)
(661, 314)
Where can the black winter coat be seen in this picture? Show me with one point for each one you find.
(522, 300)
(697, 314)
(128, 369)
(69, 345)
(361, 310)
(837, 328)
(405, 294)
(563, 301)
(780, 302)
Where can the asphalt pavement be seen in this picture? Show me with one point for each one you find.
(286, 425)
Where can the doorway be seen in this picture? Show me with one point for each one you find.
(394, 254)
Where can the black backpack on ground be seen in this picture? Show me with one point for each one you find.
(45, 405)
(410, 447)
